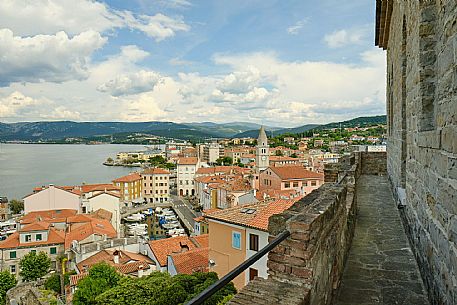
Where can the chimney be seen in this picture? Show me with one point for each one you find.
(116, 255)
(140, 270)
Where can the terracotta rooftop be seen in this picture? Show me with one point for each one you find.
(107, 256)
(54, 237)
(49, 215)
(36, 226)
(155, 171)
(164, 247)
(106, 192)
(187, 161)
(254, 215)
(215, 169)
(129, 178)
(295, 172)
(191, 261)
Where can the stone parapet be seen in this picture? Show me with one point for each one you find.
(311, 261)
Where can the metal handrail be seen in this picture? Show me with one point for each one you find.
(208, 292)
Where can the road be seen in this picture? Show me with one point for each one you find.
(185, 212)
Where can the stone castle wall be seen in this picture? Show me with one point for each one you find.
(422, 135)
(307, 267)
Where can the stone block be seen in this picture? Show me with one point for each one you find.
(429, 139)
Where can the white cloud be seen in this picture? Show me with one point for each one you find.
(158, 26)
(29, 18)
(54, 58)
(132, 83)
(17, 104)
(295, 29)
(61, 113)
(343, 37)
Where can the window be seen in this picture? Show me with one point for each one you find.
(38, 237)
(53, 250)
(145, 192)
(13, 269)
(253, 242)
(236, 240)
(287, 184)
(295, 184)
(28, 237)
(12, 254)
(150, 184)
(313, 183)
(145, 184)
(157, 191)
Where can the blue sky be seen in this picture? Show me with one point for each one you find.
(283, 63)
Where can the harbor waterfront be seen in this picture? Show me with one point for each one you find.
(25, 166)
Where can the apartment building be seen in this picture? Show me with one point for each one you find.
(186, 169)
(156, 185)
(130, 187)
(290, 177)
(237, 233)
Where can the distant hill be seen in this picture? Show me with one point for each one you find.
(357, 122)
(35, 131)
(360, 121)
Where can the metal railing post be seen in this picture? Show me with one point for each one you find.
(208, 292)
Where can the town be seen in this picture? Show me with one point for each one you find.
(187, 205)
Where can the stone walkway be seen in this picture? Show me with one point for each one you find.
(381, 268)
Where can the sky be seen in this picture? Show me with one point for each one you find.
(277, 63)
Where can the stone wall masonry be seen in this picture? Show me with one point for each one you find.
(429, 46)
(25, 294)
(311, 261)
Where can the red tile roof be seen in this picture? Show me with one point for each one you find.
(155, 171)
(258, 219)
(36, 226)
(49, 215)
(129, 178)
(188, 161)
(80, 230)
(54, 237)
(164, 247)
(295, 172)
(107, 256)
(191, 261)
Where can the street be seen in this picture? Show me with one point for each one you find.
(184, 211)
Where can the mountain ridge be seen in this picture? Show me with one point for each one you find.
(54, 130)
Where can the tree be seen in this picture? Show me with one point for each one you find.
(7, 281)
(279, 153)
(162, 289)
(109, 160)
(16, 206)
(53, 282)
(224, 161)
(101, 278)
(294, 155)
(34, 266)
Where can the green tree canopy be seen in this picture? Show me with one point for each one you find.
(16, 206)
(7, 281)
(224, 161)
(53, 282)
(101, 278)
(162, 289)
(33, 266)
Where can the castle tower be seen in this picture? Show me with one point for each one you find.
(262, 156)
